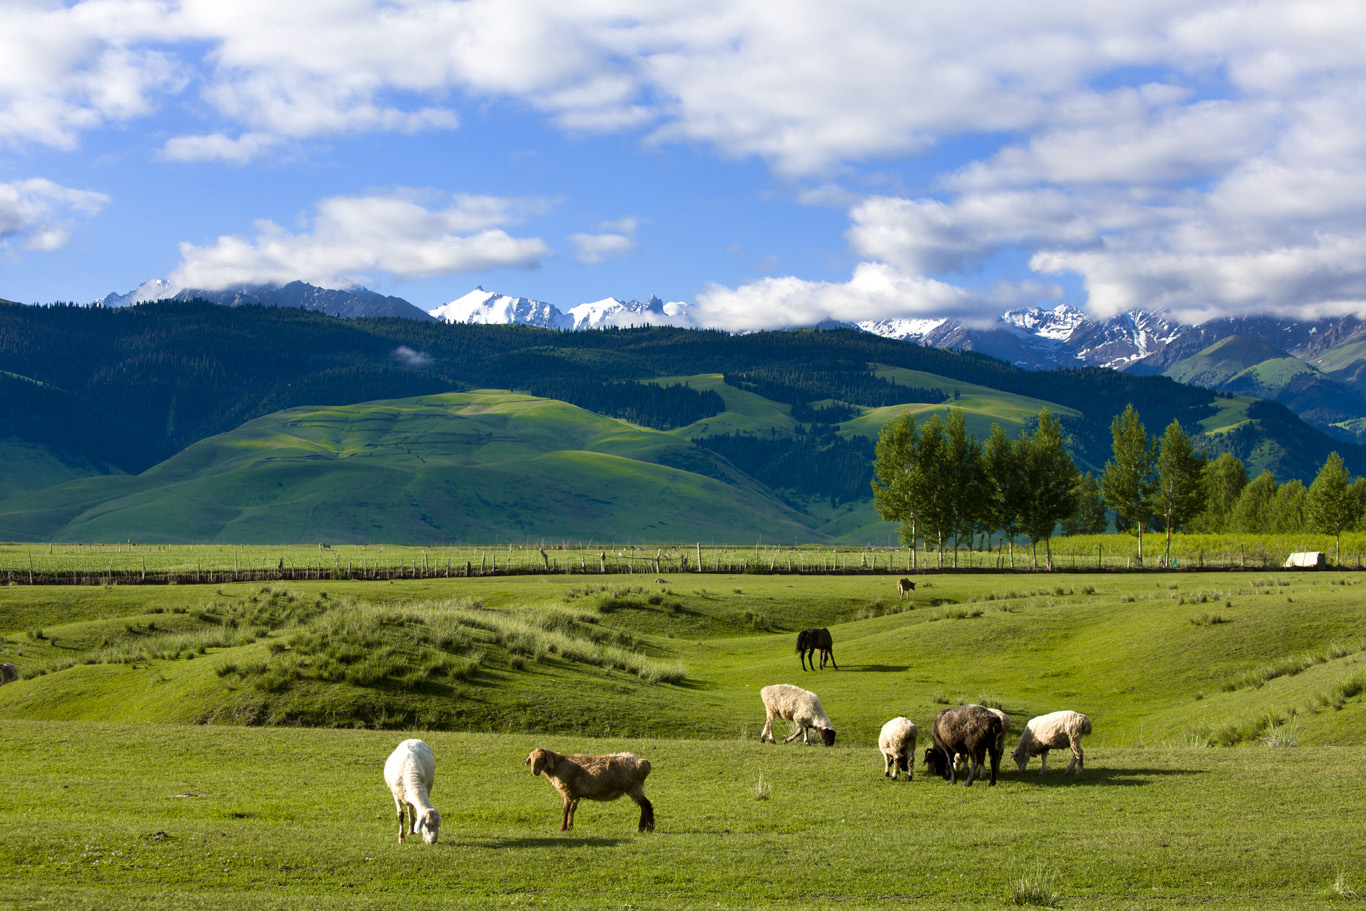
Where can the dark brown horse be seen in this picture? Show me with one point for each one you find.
(809, 640)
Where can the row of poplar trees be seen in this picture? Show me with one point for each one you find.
(943, 485)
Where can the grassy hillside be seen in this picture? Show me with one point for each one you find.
(158, 813)
(462, 466)
(1217, 658)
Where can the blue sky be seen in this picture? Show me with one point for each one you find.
(769, 164)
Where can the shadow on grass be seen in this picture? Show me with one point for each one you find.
(563, 840)
(879, 668)
(1093, 778)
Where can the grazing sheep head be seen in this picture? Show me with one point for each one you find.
(1021, 758)
(429, 826)
(937, 761)
(828, 735)
(540, 760)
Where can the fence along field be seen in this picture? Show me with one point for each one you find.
(87, 564)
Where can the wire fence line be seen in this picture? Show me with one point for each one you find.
(128, 563)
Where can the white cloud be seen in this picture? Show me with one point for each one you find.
(617, 239)
(1174, 150)
(874, 291)
(218, 147)
(38, 214)
(352, 236)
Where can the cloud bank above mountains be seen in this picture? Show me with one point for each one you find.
(1202, 156)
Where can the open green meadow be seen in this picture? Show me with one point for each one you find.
(216, 746)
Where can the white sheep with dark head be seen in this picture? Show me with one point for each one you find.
(897, 745)
(1049, 732)
(801, 707)
(409, 772)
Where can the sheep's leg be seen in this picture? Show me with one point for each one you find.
(567, 821)
(1043, 761)
(647, 812)
(402, 812)
(796, 729)
(995, 756)
(1076, 758)
(767, 732)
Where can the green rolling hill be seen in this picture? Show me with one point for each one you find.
(478, 466)
(195, 423)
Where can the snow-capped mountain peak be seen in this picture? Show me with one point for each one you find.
(154, 289)
(1058, 323)
(480, 306)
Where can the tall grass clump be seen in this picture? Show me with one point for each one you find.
(1037, 888)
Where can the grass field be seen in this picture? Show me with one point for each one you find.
(1224, 768)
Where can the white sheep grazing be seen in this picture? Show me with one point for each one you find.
(801, 707)
(1053, 731)
(409, 773)
(897, 744)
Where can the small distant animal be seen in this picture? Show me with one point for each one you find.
(903, 588)
(811, 640)
(579, 777)
(661, 581)
(8, 674)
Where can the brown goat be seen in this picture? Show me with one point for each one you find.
(577, 777)
(903, 588)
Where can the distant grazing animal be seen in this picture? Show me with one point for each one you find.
(809, 640)
(579, 777)
(970, 730)
(897, 745)
(903, 588)
(409, 773)
(1052, 731)
(801, 707)
(8, 674)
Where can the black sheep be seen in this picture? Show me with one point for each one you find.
(966, 730)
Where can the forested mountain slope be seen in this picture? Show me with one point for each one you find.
(119, 391)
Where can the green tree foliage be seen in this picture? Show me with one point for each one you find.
(1089, 516)
(1128, 482)
(1252, 510)
(1331, 505)
(1049, 476)
(894, 462)
(1179, 495)
(809, 463)
(1289, 508)
(1005, 487)
(1222, 481)
(964, 479)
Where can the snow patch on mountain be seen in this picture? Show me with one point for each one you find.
(489, 307)
(612, 312)
(154, 289)
(910, 330)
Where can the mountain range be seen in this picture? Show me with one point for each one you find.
(1315, 368)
